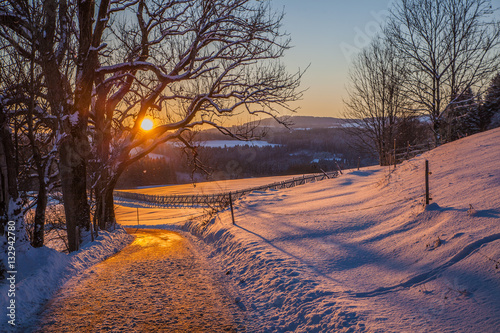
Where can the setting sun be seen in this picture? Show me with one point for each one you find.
(147, 124)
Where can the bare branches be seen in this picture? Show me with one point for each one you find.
(376, 97)
(450, 47)
(205, 60)
(105, 66)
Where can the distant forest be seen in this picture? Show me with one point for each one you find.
(296, 151)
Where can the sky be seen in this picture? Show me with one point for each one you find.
(326, 34)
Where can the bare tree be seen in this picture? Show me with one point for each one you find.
(450, 46)
(188, 62)
(10, 201)
(49, 26)
(376, 100)
(195, 64)
(35, 153)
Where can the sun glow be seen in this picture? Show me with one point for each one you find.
(147, 124)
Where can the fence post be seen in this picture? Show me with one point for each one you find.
(338, 167)
(359, 160)
(427, 196)
(231, 205)
(326, 175)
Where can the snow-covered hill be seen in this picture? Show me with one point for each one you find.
(362, 253)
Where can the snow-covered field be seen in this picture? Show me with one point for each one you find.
(220, 186)
(362, 253)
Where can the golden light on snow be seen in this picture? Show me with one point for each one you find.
(147, 124)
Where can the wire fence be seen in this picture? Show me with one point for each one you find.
(398, 155)
(405, 153)
(218, 199)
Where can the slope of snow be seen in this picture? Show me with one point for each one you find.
(214, 187)
(362, 253)
(41, 271)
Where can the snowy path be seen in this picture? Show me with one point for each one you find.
(159, 283)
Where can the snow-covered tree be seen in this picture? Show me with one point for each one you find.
(186, 64)
(469, 115)
(11, 213)
(45, 30)
(35, 151)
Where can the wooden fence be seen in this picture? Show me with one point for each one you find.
(219, 199)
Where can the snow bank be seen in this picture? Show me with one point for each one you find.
(275, 288)
(42, 271)
(362, 253)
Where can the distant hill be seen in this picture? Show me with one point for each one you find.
(270, 125)
(305, 122)
(297, 123)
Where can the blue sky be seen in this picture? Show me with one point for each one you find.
(325, 34)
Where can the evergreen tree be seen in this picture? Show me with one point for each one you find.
(461, 116)
(490, 110)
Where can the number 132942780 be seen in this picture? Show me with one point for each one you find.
(11, 272)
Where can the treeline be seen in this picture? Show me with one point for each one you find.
(149, 171)
(251, 161)
(292, 152)
(435, 63)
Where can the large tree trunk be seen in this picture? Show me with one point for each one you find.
(73, 171)
(39, 225)
(105, 208)
(436, 129)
